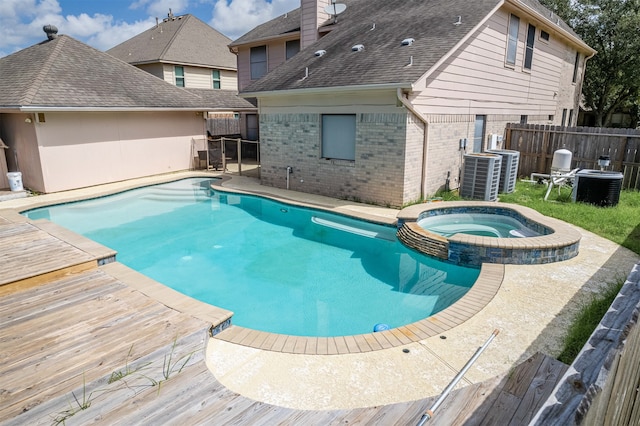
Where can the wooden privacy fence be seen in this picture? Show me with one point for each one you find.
(537, 143)
(618, 402)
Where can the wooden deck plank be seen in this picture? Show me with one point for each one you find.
(69, 333)
(26, 251)
(549, 371)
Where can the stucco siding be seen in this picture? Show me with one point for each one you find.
(23, 155)
(83, 149)
(475, 79)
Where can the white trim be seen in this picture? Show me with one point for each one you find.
(327, 89)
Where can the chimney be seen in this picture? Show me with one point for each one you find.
(51, 31)
(311, 17)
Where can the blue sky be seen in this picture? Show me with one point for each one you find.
(106, 23)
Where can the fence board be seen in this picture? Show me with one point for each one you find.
(537, 143)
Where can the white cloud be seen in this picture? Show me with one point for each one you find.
(160, 8)
(237, 17)
(116, 34)
(21, 21)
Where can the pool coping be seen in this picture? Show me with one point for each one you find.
(480, 294)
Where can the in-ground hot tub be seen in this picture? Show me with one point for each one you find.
(472, 233)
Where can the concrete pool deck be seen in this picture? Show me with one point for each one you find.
(531, 309)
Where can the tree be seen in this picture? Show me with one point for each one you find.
(612, 27)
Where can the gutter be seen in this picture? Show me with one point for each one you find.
(108, 109)
(548, 21)
(326, 89)
(233, 46)
(425, 141)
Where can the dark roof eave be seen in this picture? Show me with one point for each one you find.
(217, 67)
(42, 108)
(312, 90)
(265, 39)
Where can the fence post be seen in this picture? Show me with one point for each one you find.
(224, 154)
(239, 148)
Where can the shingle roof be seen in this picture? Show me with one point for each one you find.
(223, 99)
(283, 24)
(381, 25)
(184, 40)
(66, 73)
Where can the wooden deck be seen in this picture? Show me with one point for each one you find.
(85, 347)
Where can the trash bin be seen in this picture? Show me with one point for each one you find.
(15, 181)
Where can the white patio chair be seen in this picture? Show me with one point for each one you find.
(559, 180)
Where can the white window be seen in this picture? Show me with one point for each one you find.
(339, 136)
(528, 52)
(512, 39)
(258, 61)
(179, 71)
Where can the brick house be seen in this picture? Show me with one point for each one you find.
(379, 102)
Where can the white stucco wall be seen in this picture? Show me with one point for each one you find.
(90, 148)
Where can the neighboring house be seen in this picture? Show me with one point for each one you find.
(73, 116)
(186, 52)
(183, 51)
(385, 98)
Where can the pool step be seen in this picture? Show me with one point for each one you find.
(35, 252)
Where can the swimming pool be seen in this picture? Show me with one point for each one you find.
(278, 267)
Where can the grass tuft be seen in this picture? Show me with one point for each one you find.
(586, 321)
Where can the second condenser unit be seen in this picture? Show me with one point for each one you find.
(508, 169)
(481, 176)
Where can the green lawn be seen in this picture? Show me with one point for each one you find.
(620, 224)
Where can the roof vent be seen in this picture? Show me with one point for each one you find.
(357, 48)
(407, 41)
(458, 21)
(51, 31)
(320, 52)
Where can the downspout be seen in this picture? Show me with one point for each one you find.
(584, 72)
(425, 151)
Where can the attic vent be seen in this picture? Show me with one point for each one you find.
(51, 31)
(407, 41)
(357, 48)
(320, 52)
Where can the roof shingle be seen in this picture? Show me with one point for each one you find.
(380, 25)
(66, 73)
(183, 39)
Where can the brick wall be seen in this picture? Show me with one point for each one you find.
(389, 155)
(444, 156)
(377, 175)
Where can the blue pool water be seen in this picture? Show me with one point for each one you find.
(279, 268)
(480, 224)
